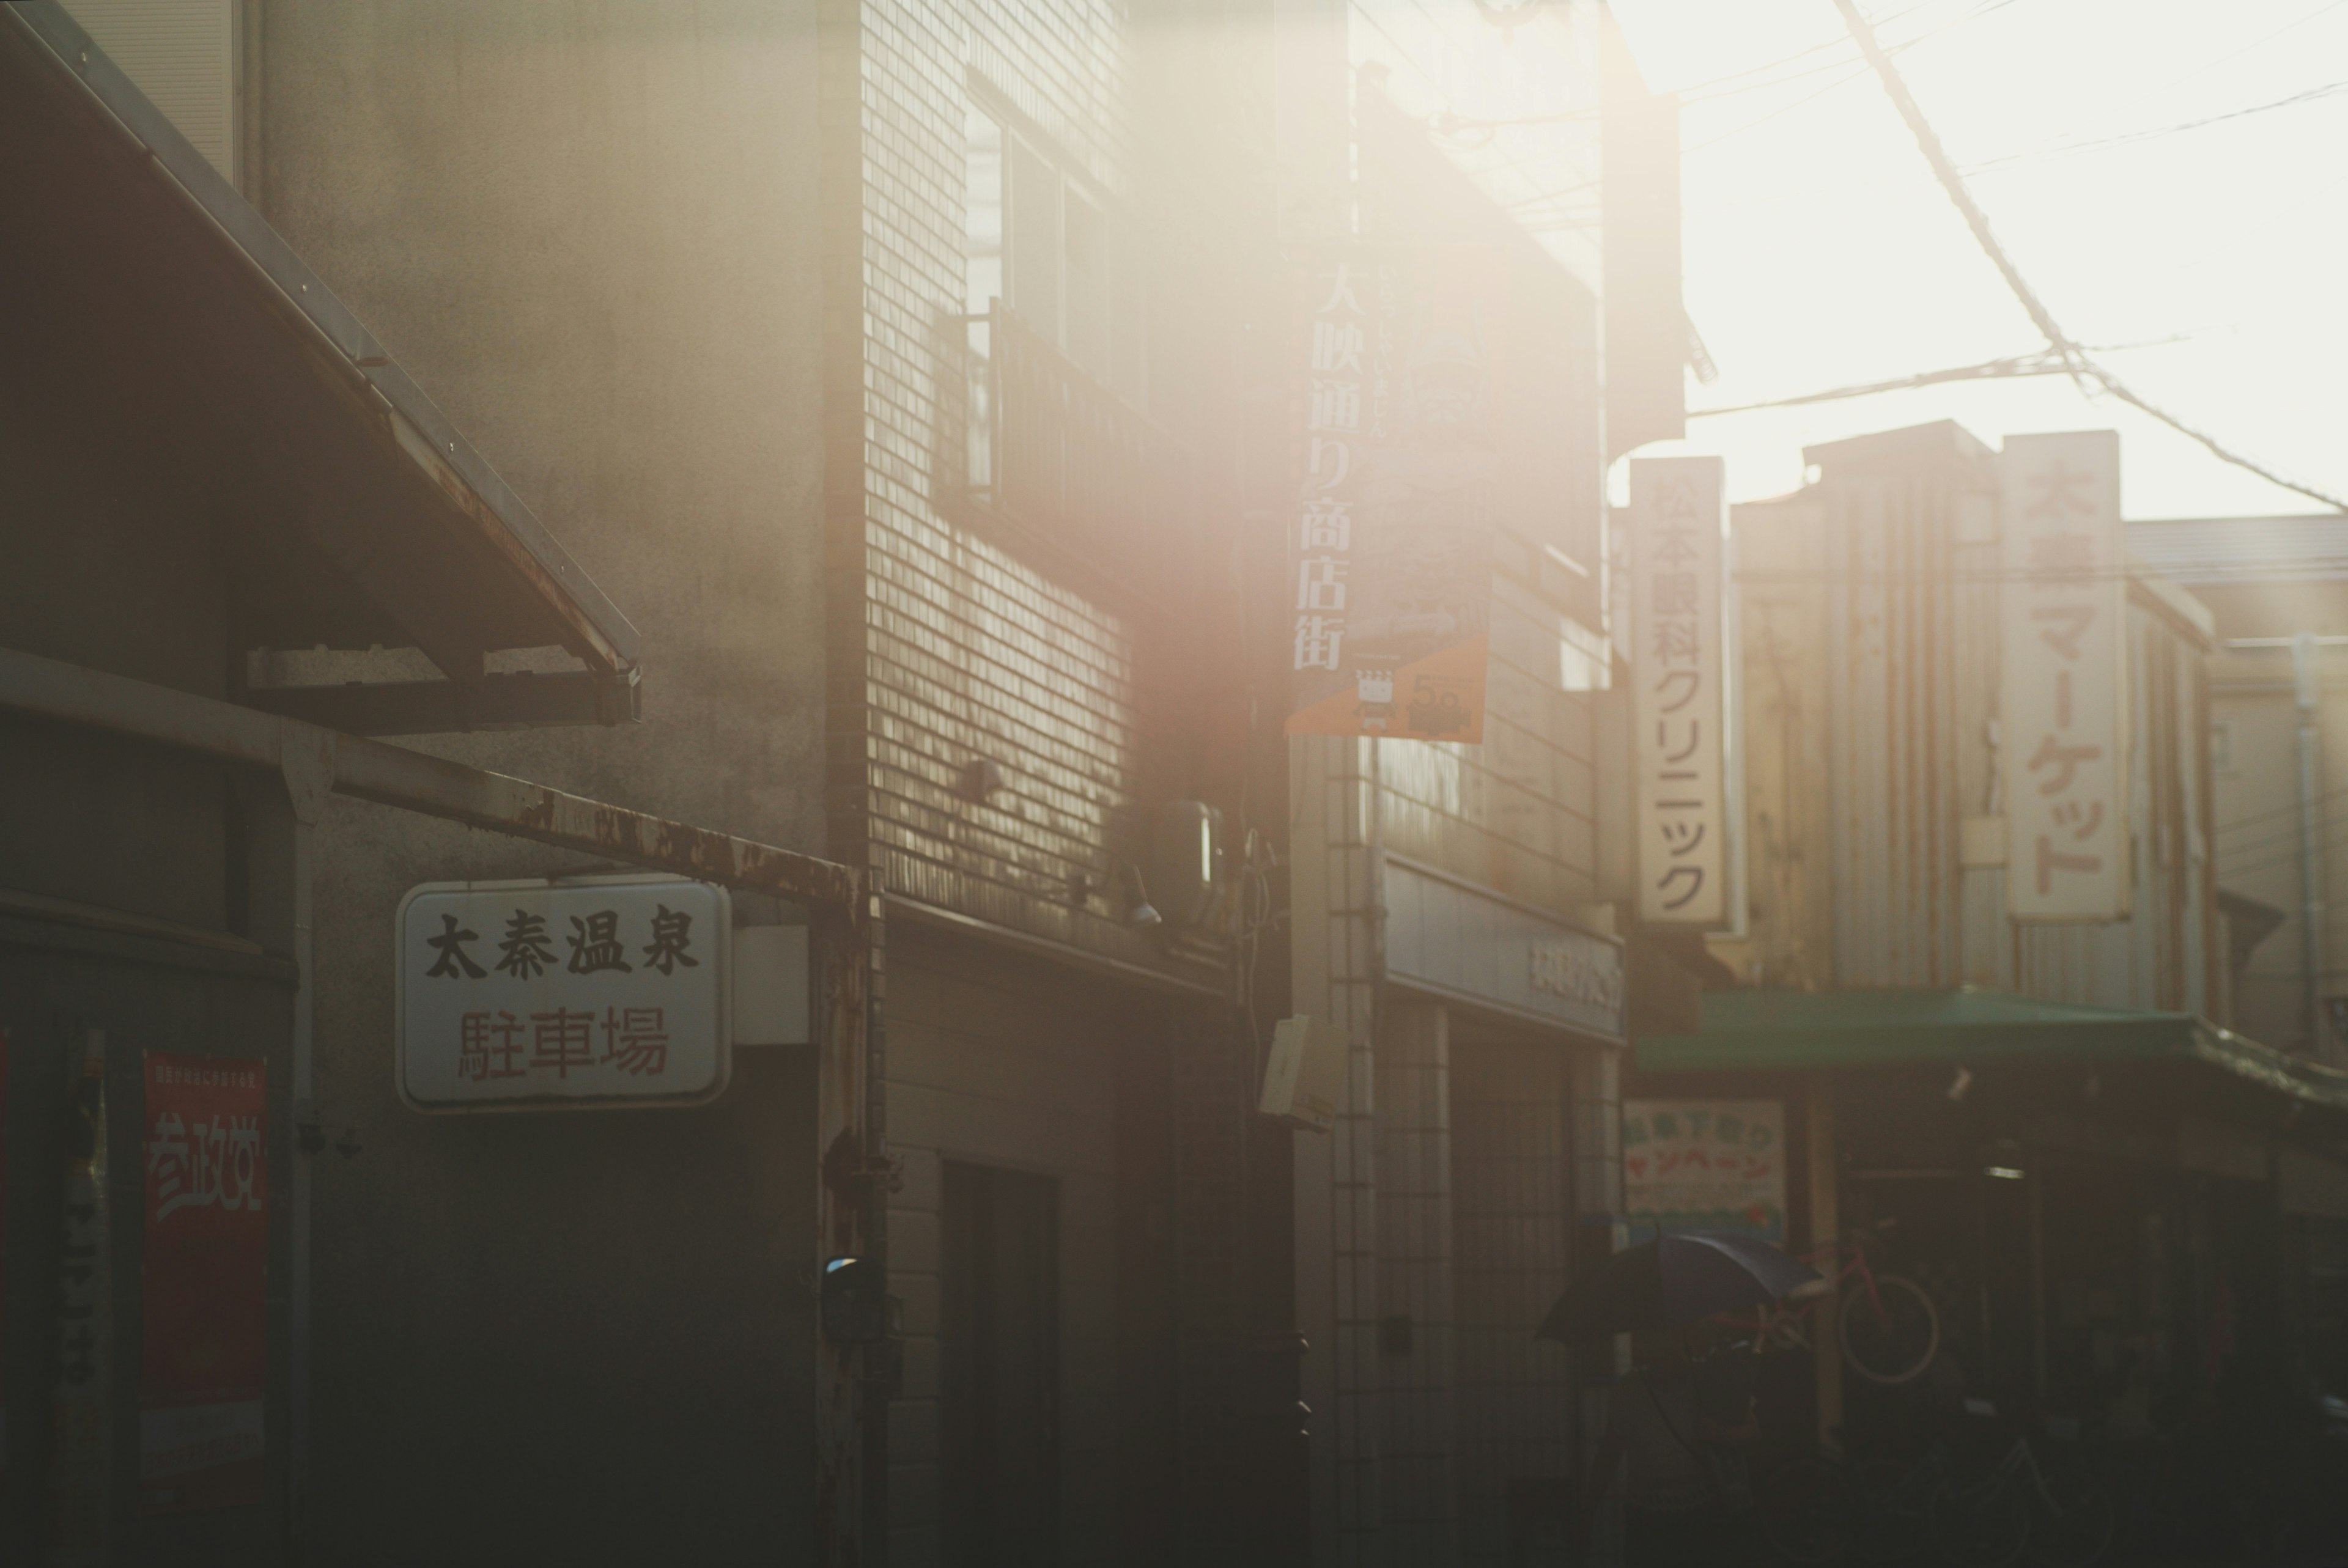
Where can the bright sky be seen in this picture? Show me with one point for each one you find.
(1821, 252)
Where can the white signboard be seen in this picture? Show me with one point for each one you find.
(1705, 1164)
(1453, 940)
(2065, 731)
(1679, 710)
(543, 995)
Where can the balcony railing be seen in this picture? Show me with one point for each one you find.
(1067, 462)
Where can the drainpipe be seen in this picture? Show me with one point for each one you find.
(2312, 943)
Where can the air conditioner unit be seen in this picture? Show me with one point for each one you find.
(1188, 882)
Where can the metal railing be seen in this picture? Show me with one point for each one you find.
(1062, 458)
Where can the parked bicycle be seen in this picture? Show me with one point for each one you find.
(2063, 1519)
(1887, 1327)
(1816, 1512)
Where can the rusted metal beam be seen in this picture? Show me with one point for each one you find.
(47, 689)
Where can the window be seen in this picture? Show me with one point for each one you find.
(1036, 241)
(1084, 286)
(983, 212)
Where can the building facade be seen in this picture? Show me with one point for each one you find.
(2047, 1124)
(2272, 586)
(917, 378)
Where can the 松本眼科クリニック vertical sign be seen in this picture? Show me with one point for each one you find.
(2064, 592)
(205, 1370)
(553, 995)
(1680, 708)
(1390, 538)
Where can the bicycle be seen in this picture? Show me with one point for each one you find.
(2062, 1521)
(1888, 1328)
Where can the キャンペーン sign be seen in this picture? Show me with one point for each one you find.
(550, 995)
(205, 1372)
(1705, 1164)
(1680, 706)
(2065, 683)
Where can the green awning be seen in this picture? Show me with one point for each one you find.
(1762, 1030)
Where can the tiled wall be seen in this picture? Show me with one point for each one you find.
(968, 653)
(1517, 813)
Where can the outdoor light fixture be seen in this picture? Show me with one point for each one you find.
(1139, 914)
(980, 777)
(2003, 1161)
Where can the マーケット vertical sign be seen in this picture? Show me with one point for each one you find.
(1679, 709)
(2064, 592)
(205, 1371)
(564, 994)
(1390, 539)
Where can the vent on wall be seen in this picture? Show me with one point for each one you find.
(182, 53)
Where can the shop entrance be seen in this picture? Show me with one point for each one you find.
(999, 1373)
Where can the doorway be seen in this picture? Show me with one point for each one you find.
(999, 1372)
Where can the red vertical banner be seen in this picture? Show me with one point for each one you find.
(207, 1236)
(3, 1256)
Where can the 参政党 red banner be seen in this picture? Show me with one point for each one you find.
(201, 1441)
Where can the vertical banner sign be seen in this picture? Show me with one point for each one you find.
(3, 1256)
(1679, 710)
(1390, 545)
(80, 1459)
(2065, 738)
(1705, 1164)
(207, 1243)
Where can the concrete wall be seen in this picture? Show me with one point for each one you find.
(585, 232)
(2257, 840)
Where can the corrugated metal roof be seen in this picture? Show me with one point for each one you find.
(2203, 551)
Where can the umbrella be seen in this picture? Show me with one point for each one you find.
(1680, 1279)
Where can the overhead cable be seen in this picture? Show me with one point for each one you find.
(2045, 361)
(2309, 96)
(2082, 369)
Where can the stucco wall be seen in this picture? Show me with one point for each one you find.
(585, 232)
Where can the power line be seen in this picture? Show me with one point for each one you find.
(2083, 370)
(2045, 362)
(2309, 96)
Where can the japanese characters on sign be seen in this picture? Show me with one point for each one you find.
(2065, 732)
(1390, 551)
(1704, 1164)
(1679, 708)
(610, 990)
(205, 1371)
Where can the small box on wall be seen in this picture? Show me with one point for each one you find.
(1304, 1079)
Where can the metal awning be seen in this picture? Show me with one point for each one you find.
(1766, 1030)
(147, 294)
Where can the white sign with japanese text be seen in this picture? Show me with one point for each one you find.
(563, 995)
(1704, 1166)
(1679, 710)
(2065, 732)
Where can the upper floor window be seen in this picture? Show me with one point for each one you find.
(1038, 241)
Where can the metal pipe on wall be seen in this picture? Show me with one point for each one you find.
(2307, 686)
